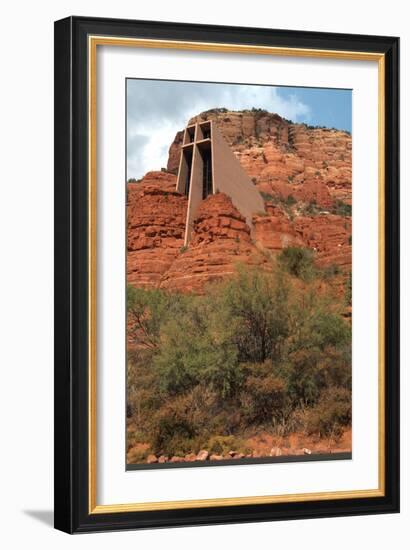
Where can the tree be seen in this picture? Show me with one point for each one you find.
(147, 310)
(255, 305)
(196, 350)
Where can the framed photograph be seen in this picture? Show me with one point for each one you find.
(226, 274)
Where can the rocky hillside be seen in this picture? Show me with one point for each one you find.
(284, 158)
(304, 176)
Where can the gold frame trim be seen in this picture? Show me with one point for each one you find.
(93, 42)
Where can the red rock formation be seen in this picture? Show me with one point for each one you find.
(220, 241)
(284, 158)
(311, 164)
(156, 216)
(274, 230)
(175, 153)
(329, 236)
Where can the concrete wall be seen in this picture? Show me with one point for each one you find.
(195, 192)
(230, 178)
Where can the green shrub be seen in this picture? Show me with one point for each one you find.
(310, 209)
(341, 208)
(173, 429)
(254, 304)
(332, 413)
(264, 394)
(303, 377)
(221, 445)
(192, 352)
(266, 196)
(263, 348)
(147, 310)
(348, 290)
(331, 271)
(298, 262)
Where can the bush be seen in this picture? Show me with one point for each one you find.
(192, 352)
(147, 310)
(173, 430)
(341, 208)
(303, 377)
(348, 290)
(266, 196)
(329, 329)
(311, 209)
(262, 349)
(223, 444)
(254, 305)
(264, 395)
(298, 262)
(331, 415)
(331, 271)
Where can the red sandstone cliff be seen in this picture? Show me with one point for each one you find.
(156, 226)
(220, 240)
(284, 158)
(313, 165)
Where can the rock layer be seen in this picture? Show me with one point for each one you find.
(284, 158)
(156, 216)
(312, 165)
(220, 241)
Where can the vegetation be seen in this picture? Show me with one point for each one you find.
(349, 290)
(286, 203)
(298, 262)
(264, 350)
(266, 196)
(310, 209)
(341, 208)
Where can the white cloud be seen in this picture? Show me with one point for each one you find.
(158, 109)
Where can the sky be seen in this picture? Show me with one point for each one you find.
(157, 109)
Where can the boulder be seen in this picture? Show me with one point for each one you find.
(202, 455)
(275, 451)
(177, 459)
(190, 457)
(216, 457)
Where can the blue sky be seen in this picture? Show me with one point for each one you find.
(331, 108)
(156, 110)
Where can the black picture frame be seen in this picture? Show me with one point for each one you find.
(71, 493)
